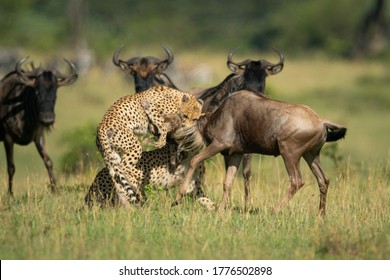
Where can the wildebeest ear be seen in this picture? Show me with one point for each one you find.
(200, 102)
(272, 70)
(162, 66)
(67, 80)
(27, 77)
(125, 67)
(28, 81)
(237, 69)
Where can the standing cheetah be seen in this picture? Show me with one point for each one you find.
(131, 117)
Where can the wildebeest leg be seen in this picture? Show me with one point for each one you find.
(233, 162)
(247, 173)
(291, 162)
(323, 181)
(40, 145)
(9, 150)
(214, 148)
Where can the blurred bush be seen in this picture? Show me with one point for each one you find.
(81, 153)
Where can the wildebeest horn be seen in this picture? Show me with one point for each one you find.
(115, 58)
(281, 59)
(72, 67)
(170, 56)
(20, 62)
(29, 74)
(239, 64)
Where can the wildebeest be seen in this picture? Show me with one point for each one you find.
(247, 75)
(147, 71)
(27, 100)
(249, 123)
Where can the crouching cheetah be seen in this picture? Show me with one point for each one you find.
(154, 169)
(129, 118)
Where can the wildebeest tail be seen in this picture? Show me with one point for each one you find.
(334, 131)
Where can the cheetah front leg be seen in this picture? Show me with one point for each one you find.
(157, 120)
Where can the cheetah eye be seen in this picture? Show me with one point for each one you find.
(185, 116)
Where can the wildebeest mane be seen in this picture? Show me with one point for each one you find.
(165, 80)
(188, 139)
(216, 95)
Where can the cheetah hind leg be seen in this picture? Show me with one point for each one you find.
(102, 190)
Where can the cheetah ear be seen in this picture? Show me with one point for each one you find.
(185, 98)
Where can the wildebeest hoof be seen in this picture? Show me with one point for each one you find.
(175, 203)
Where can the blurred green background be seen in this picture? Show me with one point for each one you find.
(337, 62)
(337, 27)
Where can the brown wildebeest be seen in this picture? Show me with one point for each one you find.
(249, 123)
(247, 75)
(27, 100)
(147, 71)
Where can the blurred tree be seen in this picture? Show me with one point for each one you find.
(316, 25)
(77, 14)
(373, 30)
(294, 25)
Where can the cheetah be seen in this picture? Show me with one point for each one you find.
(154, 167)
(131, 117)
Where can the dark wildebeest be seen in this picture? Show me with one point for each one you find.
(249, 123)
(27, 100)
(247, 75)
(147, 71)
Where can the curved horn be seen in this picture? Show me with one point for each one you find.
(18, 68)
(281, 59)
(32, 65)
(170, 56)
(29, 74)
(64, 80)
(73, 69)
(115, 58)
(28, 77)
(230, 61)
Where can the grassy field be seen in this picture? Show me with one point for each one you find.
(39, 225)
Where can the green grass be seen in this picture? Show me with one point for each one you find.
(39, 225)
